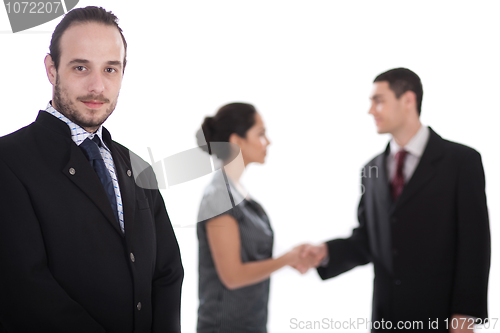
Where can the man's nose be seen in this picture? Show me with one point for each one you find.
(96, 83)
(371, 110)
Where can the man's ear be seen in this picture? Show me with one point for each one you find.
(410, 99)
(51, 70)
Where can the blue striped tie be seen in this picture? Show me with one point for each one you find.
(91, 150)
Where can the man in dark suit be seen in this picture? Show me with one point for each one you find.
(83, 248)
(423, 221)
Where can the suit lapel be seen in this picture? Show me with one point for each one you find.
(425, 171)
(81, 173)
(125, 180)
(127, 187)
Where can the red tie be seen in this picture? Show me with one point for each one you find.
(398, 182)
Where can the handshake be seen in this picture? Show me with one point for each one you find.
(307, 256)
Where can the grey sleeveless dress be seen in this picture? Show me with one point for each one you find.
(245, 309)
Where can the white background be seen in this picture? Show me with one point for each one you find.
(308, 68)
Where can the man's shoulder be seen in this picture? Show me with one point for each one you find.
(458, 148)
(44, 126)
(457, 152)
(17, 134)
(16, 140)
(377, 160)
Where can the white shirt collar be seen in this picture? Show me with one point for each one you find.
(416, 145)
(78, 134)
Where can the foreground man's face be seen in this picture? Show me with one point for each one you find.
(88, 80)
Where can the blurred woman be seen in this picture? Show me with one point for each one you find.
(235, 236)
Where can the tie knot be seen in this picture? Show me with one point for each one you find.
(400, 156)
(91, 148)
(97, 140)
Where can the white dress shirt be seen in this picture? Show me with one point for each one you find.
(415, 148)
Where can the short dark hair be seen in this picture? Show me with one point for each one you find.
(83, 15)
(402, 80)
(232, 118)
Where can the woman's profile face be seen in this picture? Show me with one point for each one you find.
(254, 145)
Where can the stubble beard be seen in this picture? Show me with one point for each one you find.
(65, 106)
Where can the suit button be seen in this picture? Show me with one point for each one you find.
(139, 306)
(72, 171)
(397, 282)
(129, 173)
(132, 257)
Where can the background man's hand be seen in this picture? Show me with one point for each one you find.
(310, 256)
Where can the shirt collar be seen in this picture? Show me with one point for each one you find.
(416, 145)
(78, 134)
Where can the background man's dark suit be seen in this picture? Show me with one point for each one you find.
(66, 266)
(431, 248)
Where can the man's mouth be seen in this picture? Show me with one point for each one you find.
(93, 104)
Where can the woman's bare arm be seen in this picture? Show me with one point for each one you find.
(224, 241)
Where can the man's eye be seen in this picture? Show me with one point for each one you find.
(110, 70)
(80, 68)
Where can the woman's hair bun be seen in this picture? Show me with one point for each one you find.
(235, 118)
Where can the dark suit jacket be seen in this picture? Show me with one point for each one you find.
(65, 265)
(431, 248)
